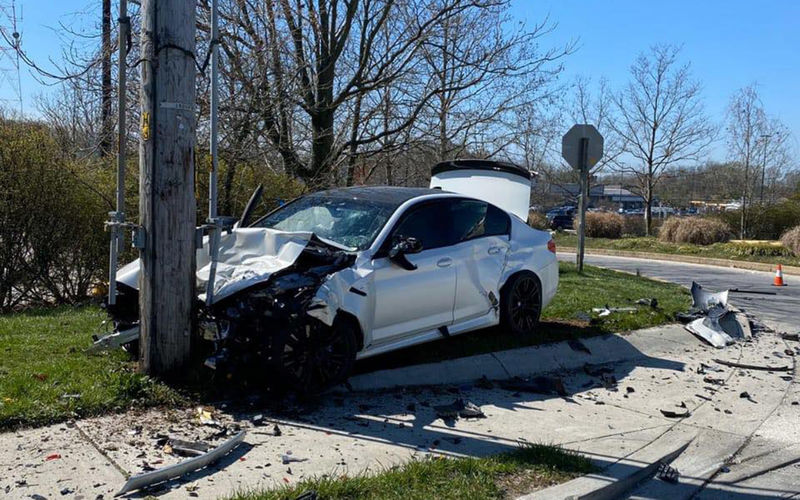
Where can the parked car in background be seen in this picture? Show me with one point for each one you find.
(561, 218)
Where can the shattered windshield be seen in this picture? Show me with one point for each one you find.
(350, 222)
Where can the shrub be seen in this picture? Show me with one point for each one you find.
(604, 225)
(537, 220)
(791, 240)
(694, 230)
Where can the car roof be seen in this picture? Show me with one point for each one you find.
(390, 196)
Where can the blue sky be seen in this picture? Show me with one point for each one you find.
(729, 43)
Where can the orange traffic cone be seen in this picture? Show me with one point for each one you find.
(778, 281)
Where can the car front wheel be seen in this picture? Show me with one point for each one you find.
(521, 304)
(312, 359)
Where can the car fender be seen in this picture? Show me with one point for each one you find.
(528, 252)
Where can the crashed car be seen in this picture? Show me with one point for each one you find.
(345, 274)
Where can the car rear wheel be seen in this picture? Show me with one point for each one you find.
(521, 304)
(316, 357)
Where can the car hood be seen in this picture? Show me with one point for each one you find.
(247, 256)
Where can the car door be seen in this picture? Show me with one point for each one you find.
(407, 302)
(482, 233)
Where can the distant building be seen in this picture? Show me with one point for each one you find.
(615, 196)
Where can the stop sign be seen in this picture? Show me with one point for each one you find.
(571, 145)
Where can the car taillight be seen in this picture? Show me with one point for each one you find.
(551, 245)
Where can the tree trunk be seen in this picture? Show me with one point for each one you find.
(351, 160)
(648, 209)
(167, 209)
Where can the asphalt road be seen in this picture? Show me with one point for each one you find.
(779, 310)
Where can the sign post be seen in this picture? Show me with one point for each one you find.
(582, 148)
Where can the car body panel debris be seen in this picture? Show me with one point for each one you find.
(703, 300)
(713, 320)
(186, 466)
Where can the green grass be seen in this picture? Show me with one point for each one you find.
(507, 475)
(562, 319)
(43, 364)
(750, 252)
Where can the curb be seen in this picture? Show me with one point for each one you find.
(527, 361)
(736, 264)
(616, 480)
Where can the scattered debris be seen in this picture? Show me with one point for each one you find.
(630, 390)
(577, 345)
(596, 370)
(675, 414)
(753, 367)
(537, 385)
(746, 395)
(54, 456)
(258, 419)
(188, 448)
(609, 381)
(714, 381)
(791, 336)
(206, 418)
(459, 408)
(756, 292)
(287, 458)
(606, 311)
(582, 316)
(70, 396)
(191, 464)
(703, 300)
(652, 302)
(667, 473)
(276, 431)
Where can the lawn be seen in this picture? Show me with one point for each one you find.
(46, 377)
(508, 475)
(750, 252)
(563, 319)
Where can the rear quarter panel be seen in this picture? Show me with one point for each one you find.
(529, 253)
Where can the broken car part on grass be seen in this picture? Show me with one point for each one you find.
(300, 294)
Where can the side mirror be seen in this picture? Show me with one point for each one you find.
(404, 246)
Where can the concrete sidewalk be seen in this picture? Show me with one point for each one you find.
(369, 431)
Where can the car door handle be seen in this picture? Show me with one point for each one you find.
(444, 262)
(495, 250)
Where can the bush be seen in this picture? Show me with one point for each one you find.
(537, 220)
(603, 225)
(791, 240)
(767, 222)
(694, 231)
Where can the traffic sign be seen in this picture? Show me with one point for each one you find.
(571, 146)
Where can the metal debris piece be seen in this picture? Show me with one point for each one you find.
(459, 408)
(791, 336)
(606, 311)
(667, 473)
(745, 366)
(188, 448)
(652, 302)
(115, 340)
(675, 414)
(703, 300)
(721, 327)
(287, 458)
(189, 465)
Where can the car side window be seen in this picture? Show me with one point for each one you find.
(429, 223)
(498, 223)
(469, 220)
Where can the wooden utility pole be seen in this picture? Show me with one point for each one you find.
(167, 210)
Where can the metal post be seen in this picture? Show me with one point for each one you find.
(213, 221)
(118, 217)
(584, 173)
(764, 165)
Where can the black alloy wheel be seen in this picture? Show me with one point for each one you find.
(315, 357)
(521, 304)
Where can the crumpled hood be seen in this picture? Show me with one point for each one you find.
(246, 256)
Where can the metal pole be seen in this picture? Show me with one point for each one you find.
(213, 221)
(118, 217)
(584, 172)
(764, 166)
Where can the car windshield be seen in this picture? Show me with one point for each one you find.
(350, 222)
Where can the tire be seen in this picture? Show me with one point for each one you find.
(313, 358)
(521, 304)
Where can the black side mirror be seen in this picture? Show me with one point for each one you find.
(404, 246)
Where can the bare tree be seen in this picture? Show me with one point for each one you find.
(746, 127)
(661, 120)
